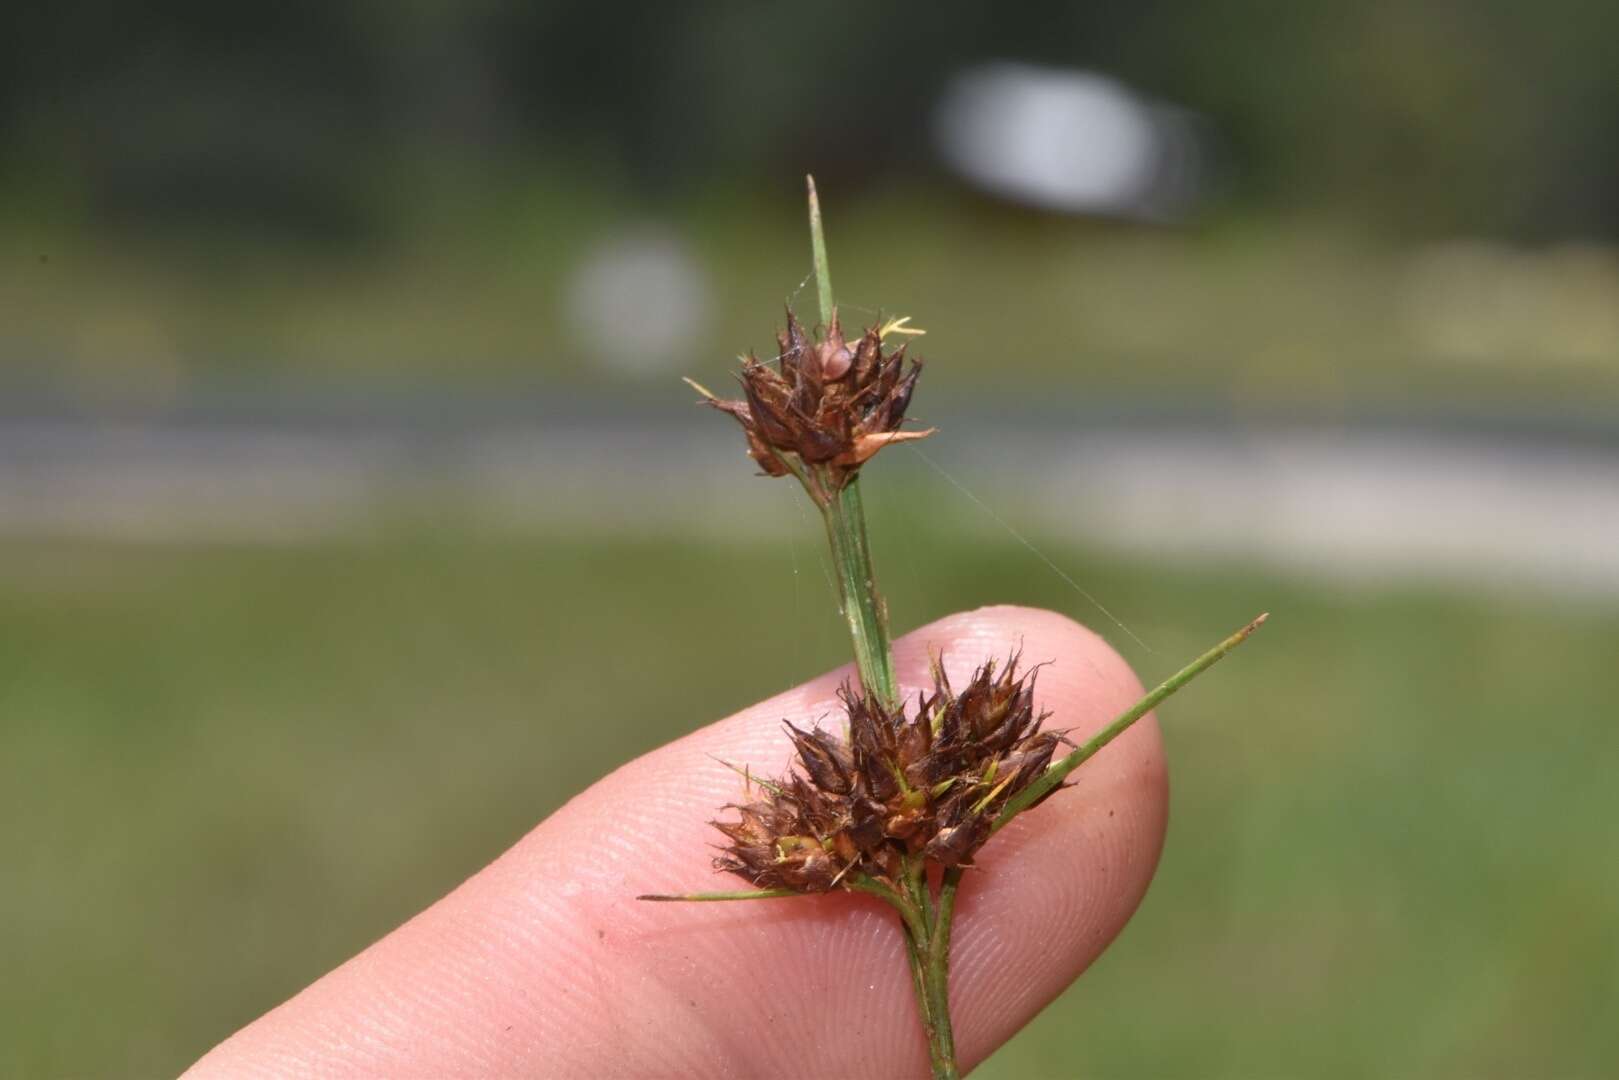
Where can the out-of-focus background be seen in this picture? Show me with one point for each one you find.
(353, 517)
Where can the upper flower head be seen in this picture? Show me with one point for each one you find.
(931, 782)
(826, 405)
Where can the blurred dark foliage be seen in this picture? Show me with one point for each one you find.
(1425, 117)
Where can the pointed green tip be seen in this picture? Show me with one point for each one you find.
(823, 273)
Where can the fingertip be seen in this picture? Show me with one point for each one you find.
(543, 955)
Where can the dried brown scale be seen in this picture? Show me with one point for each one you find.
(823, 404)
(928, 780)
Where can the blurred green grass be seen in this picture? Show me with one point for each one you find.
(225, 769)
(473, 286)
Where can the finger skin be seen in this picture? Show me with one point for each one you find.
(544, 964)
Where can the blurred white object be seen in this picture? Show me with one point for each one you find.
(639, 300)
(1070, 141)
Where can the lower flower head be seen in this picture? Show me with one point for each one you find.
(930, 781)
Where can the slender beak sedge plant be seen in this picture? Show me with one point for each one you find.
(905, 789)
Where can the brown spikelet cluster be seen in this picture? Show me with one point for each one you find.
(827, 403)
(932, 781)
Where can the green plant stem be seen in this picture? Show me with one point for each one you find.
(924, 1005)
(927, 927)
(936, 979)
(930, 982)
(862, 605)
(927, 948)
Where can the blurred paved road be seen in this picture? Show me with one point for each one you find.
(1519, 504)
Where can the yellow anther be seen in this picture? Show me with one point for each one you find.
(898, 326)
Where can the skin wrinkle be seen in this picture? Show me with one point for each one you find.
(473, 967)
(558, 977)
(381, 1027)
(717, 1043)
(470, 972)
(990, 959)
(987, 958)
(864, 929)
(819, 942)
(797, 986)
